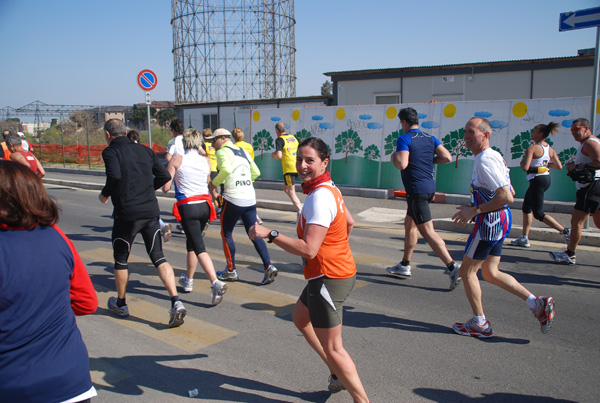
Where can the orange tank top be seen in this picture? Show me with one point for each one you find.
(334, 259)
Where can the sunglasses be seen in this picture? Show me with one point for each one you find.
(576, 128)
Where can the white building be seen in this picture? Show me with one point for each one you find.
(516, 79)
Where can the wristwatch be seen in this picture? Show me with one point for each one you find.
(272, 235)
(478, 210)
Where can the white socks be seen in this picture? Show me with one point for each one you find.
(531, 301)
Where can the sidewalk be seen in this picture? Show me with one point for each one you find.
(371, 206)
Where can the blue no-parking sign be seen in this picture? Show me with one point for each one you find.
(147, 80)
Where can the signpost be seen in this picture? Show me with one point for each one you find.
(147, 81)
(590, 17)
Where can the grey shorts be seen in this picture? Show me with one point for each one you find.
(324, 298)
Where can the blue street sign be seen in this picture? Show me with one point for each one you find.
(587, 18)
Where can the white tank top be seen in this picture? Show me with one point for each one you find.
(191, 178)
(540, 162)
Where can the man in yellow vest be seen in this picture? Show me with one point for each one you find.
(285, 150)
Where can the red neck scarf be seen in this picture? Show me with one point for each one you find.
(308, 187)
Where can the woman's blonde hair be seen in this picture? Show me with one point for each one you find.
(192, 139)
(237, 134)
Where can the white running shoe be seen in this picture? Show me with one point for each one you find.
(335, 385)
(166, 232)
(399, 270)
(454, 276)
(567, 234)
(176, 314)
(186, 283)
(217, 291)
(563, 257)
(522, 241)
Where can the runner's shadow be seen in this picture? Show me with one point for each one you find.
(369, 319)
(131, 375)
(390, 279)
(96, 228)
(281, 312)
(88, 238)
(546, 279)
(441, 395)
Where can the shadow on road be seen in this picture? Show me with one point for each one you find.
(446, 396)
(130, 375)
(368, 319)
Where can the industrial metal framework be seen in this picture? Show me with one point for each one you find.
(229, 50)
(42, 110)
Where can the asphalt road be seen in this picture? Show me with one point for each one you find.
(399, 332)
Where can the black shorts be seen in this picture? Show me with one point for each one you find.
(418, 207)
(123, 235)
(290, 179)
(324, 298)
(194, 217)
(588, 198)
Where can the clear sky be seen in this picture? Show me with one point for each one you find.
(86, 52)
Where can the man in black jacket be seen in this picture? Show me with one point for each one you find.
(133, 173)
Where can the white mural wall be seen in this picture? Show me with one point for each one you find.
(362, 138)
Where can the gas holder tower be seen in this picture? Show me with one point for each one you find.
(230, 50)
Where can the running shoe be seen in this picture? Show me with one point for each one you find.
(176, 314)
(454, 276)
(227, 275)
(270, 274)
(166, 232)
(474, 329)
(122, 311)
(563, 257)
(258, 220)
(399, 270)
(180, 229)
(567, 234)
(186, 283)
(335, 385)
(217, 291)
(522, 241)
(544, 312)
(204, 229)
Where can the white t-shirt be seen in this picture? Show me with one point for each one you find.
(191, 178)
(176, 147)
(489, 174)
(320, 207)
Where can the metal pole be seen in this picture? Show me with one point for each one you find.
(149, 125)
(595, 91)
(62, 141)
(87, 135)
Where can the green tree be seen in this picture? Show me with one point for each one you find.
(521, 143)
(455, 143)
(302, 135)
(567, 155)
(372, 153)
(165, 116)
(262, 141)
(391, 141)
(326, 89)
(348, 142)
(497, 149)
(139, 117)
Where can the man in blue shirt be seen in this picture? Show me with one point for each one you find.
(416, 152)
